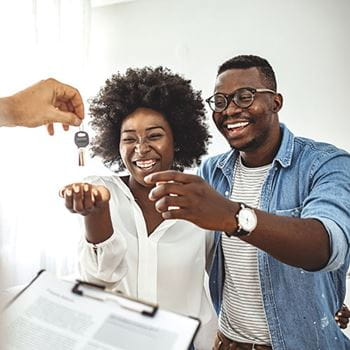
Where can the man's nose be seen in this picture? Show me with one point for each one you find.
(232, 109)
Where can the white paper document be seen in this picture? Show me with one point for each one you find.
(48, 315)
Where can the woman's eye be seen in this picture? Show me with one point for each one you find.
(155, 136)
(128, 140)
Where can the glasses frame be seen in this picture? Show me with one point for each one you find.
(232, 97)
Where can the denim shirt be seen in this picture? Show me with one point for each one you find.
(307, 179)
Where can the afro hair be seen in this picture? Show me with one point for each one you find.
(158, 89)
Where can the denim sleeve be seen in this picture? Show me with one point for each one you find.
(202, 170)
(329, 202)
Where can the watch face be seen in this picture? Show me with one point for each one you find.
(247, 219)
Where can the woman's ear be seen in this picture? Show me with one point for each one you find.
(277, 102)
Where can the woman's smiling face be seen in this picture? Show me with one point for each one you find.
(146, 143)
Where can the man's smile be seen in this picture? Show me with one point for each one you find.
(234, 128)
(231, 126)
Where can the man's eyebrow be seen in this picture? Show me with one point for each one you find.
(147, 129)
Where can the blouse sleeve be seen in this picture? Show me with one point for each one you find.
(209, 249)
(103, 263)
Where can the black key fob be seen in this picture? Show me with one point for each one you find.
(81, 139)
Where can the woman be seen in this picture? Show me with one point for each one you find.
(145, 121)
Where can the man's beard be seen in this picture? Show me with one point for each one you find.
(254, 144)
(249, 147)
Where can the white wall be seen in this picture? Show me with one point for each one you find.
(306, 41)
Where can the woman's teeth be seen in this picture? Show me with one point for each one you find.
(145, 163)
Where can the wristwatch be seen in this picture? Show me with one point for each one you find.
(246, 222)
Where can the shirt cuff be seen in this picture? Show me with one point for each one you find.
(338, 244)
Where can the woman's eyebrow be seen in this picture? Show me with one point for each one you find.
(155, 127)
(147, 129)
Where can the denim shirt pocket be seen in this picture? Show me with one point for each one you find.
(294, 212)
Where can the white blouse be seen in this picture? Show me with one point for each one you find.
(168, 267)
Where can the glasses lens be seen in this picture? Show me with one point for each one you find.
(243, 98)
(219, 102)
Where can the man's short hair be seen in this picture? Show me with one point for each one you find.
(250, 61)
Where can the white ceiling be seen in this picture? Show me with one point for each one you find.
(100, 3)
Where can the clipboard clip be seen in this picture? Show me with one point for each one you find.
(98, 292)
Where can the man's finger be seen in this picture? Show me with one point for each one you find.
(170, 175)
(174, 214)
(58, 116)
(170, 203)
(50, 129)
(166, 189)
(70, 94)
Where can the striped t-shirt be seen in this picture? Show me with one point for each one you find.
(242, 316)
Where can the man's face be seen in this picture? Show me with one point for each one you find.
(247, 129)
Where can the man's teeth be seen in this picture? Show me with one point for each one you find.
(236, 125)
(145, 163)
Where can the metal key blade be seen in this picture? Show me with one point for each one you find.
(81, 161)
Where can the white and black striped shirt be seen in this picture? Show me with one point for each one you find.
(242, 316)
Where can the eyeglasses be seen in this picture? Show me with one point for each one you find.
(243, 97)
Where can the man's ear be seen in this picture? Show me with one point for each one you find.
(277, 102)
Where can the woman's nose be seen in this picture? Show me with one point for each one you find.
(142, 147)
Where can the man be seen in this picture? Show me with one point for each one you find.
(44, 103)
(281, 212)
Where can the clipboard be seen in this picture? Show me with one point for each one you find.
(92, 290)
(84, 316)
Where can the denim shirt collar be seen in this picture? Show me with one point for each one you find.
(285, 152)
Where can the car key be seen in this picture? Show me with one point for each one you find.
(81, 139)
